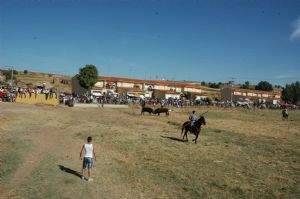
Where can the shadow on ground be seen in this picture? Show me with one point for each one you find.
(173, 138)
(70, 171)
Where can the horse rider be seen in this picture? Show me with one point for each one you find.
(193, 118)
(285, 113)
(143, 103)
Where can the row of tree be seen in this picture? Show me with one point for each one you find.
(263, 85)
(291, 93)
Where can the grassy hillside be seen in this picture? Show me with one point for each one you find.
(61, 82)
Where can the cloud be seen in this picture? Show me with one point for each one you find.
(296, 32)
(288, 75)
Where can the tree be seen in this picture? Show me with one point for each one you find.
(25, 72)
(230, 82)
(246, 85)
(213, 85)
(8, 74)
(187, 95)
(264, 86)
(291, 93)
(88, 76)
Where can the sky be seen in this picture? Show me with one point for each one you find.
(193, 40)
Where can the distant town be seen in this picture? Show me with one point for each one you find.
(144, 89)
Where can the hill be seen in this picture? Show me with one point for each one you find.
(63, 83)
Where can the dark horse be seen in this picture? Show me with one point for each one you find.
(146, 109)
(194, 130)
(161, 110)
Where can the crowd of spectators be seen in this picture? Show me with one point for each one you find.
(70, 99)
(9, 94)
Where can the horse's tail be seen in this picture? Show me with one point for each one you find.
(183, 127)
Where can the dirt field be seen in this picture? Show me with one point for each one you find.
(240, 154)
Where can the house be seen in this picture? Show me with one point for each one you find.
(161, 89)
(237, 94)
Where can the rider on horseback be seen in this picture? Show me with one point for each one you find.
(285, 114)
(193, 118)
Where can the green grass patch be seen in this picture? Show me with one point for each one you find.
(49, 181)
(270, 165)
(223, 164)
(176, 124)
(84, 135)
(12, 155)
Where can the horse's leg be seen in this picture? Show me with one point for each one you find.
(196, 138)
(185, 134)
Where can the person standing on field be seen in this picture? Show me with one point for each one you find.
(89, 155)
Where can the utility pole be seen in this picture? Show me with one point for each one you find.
(231, 89)
(12, 77)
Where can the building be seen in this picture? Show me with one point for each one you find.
(161, 89)
(76, 87)
(237, 94)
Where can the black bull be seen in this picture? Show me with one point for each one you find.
(161, 110)
(194, 130)
(146, 109)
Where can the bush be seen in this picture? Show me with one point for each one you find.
(264, 86)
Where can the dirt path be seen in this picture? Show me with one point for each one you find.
(45, 138)
(51, 137)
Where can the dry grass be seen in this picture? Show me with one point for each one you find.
(241, 154)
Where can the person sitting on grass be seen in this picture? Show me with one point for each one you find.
(88, 158)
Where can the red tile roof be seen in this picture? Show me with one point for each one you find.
(130, 89)
(167, 91)
(256, 91)
(153, 82)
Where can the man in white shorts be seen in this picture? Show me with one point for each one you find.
(89, 154)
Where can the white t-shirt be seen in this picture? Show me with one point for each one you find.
(88, 150)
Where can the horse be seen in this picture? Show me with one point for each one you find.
(146, 109)
(161, 110)
(194, 130)
(285, 115)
